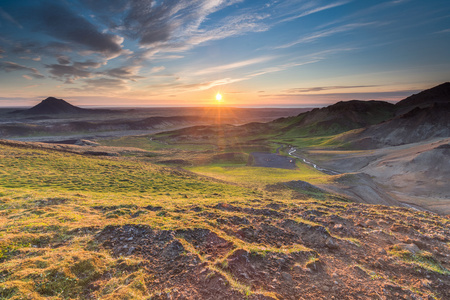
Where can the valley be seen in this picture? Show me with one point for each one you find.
(229, 204)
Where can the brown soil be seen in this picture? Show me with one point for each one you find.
(335, 251)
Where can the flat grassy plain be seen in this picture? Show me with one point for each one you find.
(259, 177)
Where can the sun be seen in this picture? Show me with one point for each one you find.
(219, 97)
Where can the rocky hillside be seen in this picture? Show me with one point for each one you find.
(417, 125)
(437, 94)
(339, 117)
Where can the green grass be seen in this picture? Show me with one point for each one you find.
(46, 170)
(423, 259)
(259, 177)
(46, 196)
(52, 205)
(146, 143)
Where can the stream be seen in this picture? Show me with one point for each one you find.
(291, 152)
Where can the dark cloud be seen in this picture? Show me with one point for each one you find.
(67, 73)
(107, 6)
(70, 72)
(105, 83)
(325, 88)
(101, 84)
(63, 60)
(57, 47)
(25, 48)
(174, 22)
(127, 72)
(87, 64)
(8, 66)
(58, 21)
(151, 24)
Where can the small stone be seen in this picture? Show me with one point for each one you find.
(409, 247)
(338, 226)
(331, 244)
(297, 269)
(372, 223)
(286, 277)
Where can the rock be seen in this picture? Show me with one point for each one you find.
(131, 250)
(371, 223)
(287, 277)
(338, 226)
(315, 266)
(420, 244)
(297, 269)
(331, 243)
(409, 247)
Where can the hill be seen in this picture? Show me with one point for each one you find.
(52, 106)
(417, 125)
(83, 227)
(330, 120)
(437, 94)
(339, 117)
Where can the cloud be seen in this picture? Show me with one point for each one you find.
(325, 88)
(236, 65)
(325, 33)
(9, 66)
(173, 26)
(281, 68)
(105, 83)
(38, 58)
(157, 69)
(208, 84)
(67, 73)
(101, 86)
(60, 22)
(9, 18)
(305, 11)
(127, 72)
(443, 31)
(63, 60)
(330, 98)
(87, 64)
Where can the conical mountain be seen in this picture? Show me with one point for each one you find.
(52, 106)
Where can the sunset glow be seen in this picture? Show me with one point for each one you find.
(264, 53)
(219, 97)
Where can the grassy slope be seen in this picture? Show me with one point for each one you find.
(53, 205)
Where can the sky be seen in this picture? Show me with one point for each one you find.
(255, 53)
